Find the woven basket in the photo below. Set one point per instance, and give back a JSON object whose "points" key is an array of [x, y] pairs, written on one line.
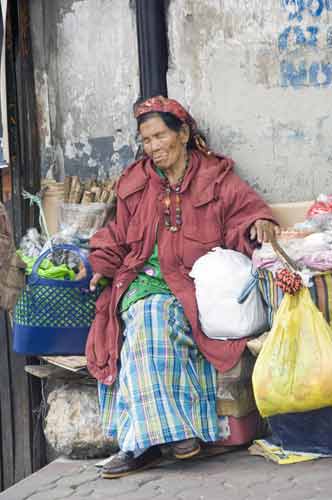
{"points": [[53, 317]]}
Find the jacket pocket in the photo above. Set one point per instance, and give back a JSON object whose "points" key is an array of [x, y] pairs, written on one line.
{"points": [[134, 241], [198, 241], [135, 233]]}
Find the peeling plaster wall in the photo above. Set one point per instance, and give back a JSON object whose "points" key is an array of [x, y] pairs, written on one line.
{"points": [[258, 78], [86, 72]]}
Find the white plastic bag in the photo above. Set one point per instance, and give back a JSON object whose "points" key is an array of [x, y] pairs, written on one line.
{"points": [[220, 277]]}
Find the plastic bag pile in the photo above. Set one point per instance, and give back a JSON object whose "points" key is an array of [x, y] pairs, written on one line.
{"points": [[309, 243]]}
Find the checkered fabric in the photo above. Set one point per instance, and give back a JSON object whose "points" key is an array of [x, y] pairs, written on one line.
{"points": [[166, 389]]}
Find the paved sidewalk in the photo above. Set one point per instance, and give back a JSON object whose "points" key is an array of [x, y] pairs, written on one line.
{"points": [[234, 476]]}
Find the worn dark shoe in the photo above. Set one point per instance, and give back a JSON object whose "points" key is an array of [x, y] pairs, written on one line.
{"points": [[186, 449], [124, 463]]}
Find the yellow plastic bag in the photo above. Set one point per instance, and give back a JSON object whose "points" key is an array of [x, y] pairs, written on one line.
{"points": [[293, 372]]}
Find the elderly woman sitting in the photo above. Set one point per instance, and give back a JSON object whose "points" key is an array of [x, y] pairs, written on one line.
{"points": [[156, 368]]}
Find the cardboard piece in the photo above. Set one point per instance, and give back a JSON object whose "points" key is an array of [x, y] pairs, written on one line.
{"points": [[235, 399], [72, 363], [263, 448], [288, 214]]}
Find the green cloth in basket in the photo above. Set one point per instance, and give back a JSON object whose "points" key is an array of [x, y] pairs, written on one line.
{"points": [[47, 269]]}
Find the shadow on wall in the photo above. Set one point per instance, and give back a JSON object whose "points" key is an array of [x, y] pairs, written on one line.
{"points": [[95, 157]]}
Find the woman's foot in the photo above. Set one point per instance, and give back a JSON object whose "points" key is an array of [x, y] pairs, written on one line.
{"points": [[186, 449], [125, 463]]}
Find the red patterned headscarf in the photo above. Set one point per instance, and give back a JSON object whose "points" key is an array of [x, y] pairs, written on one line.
{"points": [[160, 104]]}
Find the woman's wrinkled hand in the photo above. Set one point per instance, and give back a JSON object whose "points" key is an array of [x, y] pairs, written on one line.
{"points": [[94, 281], [263, 231]]}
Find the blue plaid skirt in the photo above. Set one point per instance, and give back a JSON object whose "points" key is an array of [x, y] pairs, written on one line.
{"points": [[166, 389]]}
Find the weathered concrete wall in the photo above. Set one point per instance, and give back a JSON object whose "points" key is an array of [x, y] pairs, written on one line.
{"points": [[86, 68], [258, 77]]}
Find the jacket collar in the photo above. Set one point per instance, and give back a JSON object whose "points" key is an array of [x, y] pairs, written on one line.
{"points": [[133, 179], [205, 171], [158, 181]]}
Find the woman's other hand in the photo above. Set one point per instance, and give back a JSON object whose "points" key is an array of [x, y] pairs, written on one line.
{"points": [[82, 272], [263, 231], [94, 281]]}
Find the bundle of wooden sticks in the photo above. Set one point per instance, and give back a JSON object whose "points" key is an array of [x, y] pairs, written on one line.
{"points": [[89, 191]]}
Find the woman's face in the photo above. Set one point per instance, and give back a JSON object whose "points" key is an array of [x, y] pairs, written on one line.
{"points": [[166, 147]]}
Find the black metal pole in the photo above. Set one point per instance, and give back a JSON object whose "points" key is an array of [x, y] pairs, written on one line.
{"points": [[152, 47]]}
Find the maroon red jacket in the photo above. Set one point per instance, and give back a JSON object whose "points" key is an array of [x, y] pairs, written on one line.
{"points": [[218, 208]]}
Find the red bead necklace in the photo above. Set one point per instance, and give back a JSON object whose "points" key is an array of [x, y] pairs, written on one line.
{"points": [[167, 202]]}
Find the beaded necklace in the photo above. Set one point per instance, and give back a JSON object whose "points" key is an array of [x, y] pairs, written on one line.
{"points": [[167, 203]]}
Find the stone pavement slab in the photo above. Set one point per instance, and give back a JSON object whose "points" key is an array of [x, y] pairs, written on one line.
{"points": [[233, 476]]}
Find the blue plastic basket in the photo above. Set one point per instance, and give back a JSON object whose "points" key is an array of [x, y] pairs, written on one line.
{"points": [[53, 317]]}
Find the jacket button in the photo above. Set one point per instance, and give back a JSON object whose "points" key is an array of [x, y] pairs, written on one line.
{"points": [[119, 285]]}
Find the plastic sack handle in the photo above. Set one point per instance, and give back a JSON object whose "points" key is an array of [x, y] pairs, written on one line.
{"points": [[280, 252], [250, 286], [82, 283]]}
